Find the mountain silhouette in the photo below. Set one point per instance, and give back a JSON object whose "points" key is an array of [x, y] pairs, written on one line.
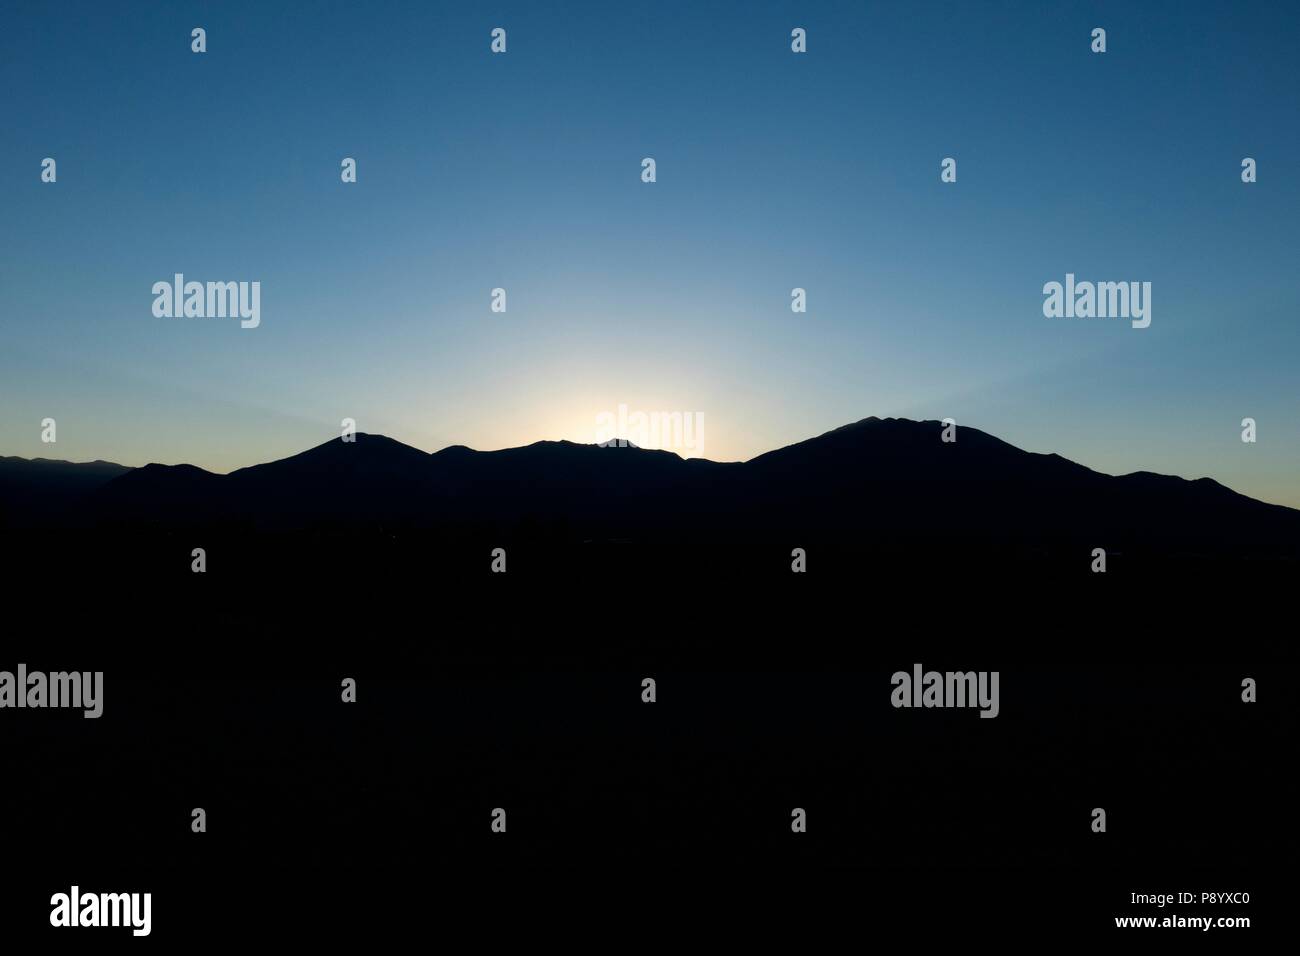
{"points": [[43, 491], [877, 483]]}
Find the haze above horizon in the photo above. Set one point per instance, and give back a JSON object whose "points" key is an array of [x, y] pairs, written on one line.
{"points": [[775, 171]]}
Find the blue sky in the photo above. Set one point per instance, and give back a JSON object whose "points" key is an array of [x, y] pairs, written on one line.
{"points": [[775, 170]]}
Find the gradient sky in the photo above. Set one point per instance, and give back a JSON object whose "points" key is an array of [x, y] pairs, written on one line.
{"points": [[775, 170]]}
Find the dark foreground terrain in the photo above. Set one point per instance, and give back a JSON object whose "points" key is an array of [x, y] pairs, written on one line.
{"points": [[522, 690]]}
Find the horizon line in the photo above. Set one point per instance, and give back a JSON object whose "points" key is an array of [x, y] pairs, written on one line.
{"points": [[565, 441]]}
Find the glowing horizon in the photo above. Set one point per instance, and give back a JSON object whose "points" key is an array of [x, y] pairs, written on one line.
{"points": [[818, 171]]}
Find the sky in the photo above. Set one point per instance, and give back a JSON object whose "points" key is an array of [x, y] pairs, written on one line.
{"points": [[774, 170]]}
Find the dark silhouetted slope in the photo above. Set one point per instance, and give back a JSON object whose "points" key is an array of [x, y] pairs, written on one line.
{"points": [[878, 485], [42, 491]]}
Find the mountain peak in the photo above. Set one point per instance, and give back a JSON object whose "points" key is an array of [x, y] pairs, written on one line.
{"points": [[882, 477], [364, 450]]}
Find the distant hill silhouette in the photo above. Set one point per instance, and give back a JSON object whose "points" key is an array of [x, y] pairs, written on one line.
{"points": [[875, 483], [42, 491]]}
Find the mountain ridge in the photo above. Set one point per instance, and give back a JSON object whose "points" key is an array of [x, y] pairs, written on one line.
{"points": [[874, 480], [368, 438]]}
